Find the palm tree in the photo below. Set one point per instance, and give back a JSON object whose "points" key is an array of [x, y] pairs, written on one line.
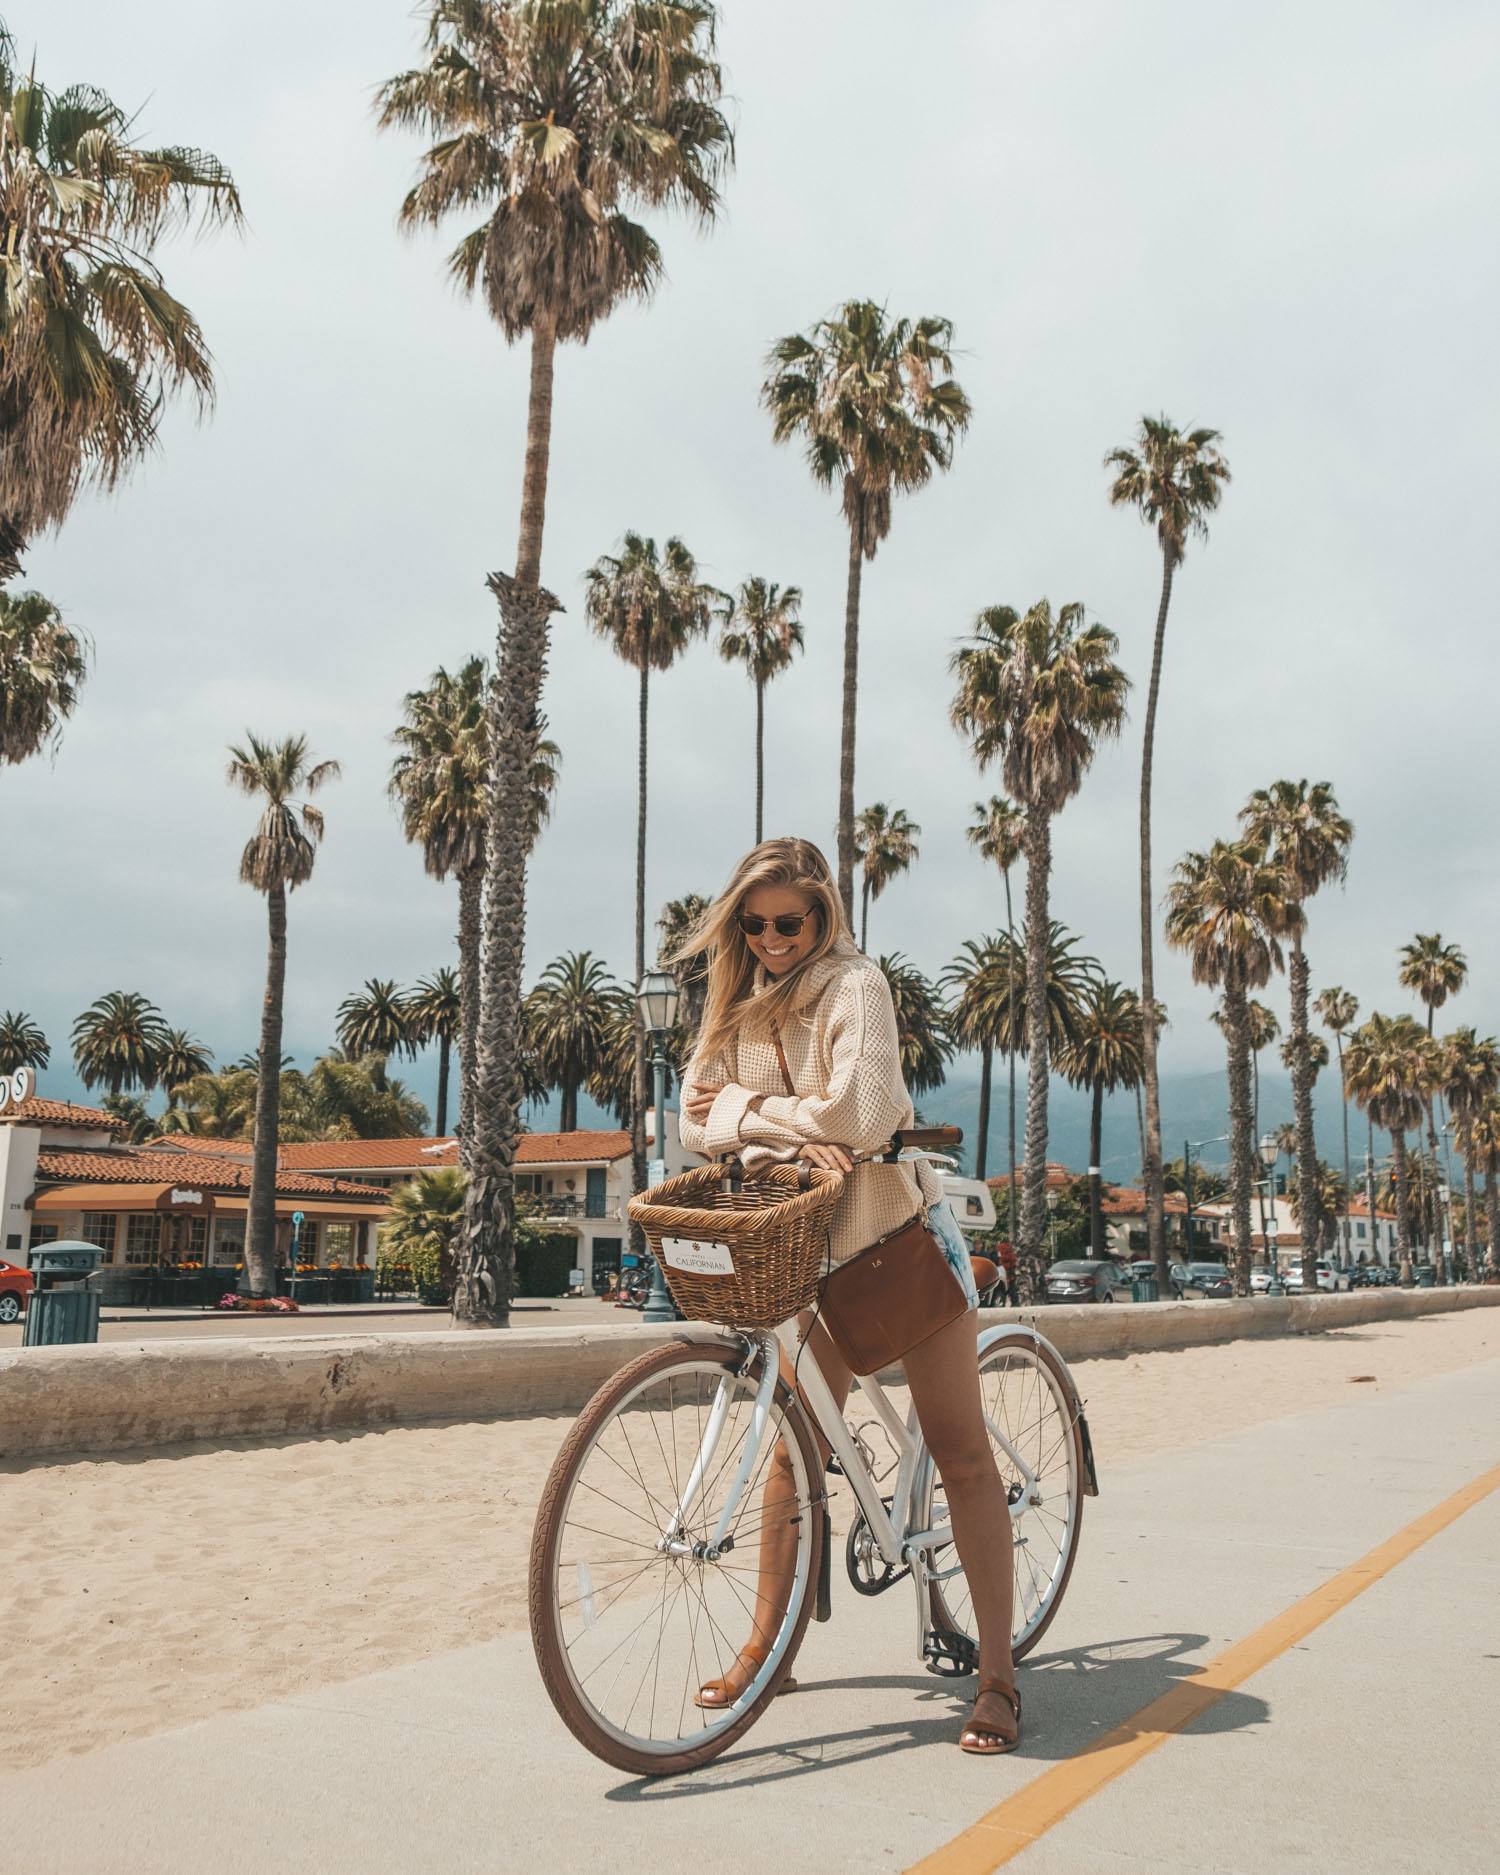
{"points": [[1470, 1076], [1318, 1059], [649, 609], [878, 410], [1301, 827], [215, 1106], [132, 1119], [567, 1018], [612, 1084], [181, 1058], [922, 1031], [43, 663], [1337, 1009], [1482, 1147], [1390, 1069], [1173, 479], [1228, 910], [277, 858], [22, 1043], [117, 1043], [759, 627], [434, 1013], [1039, 693], [426, 1215], [998, 831], [563, 117], [885, 844], [678, 916], [94, 342], [340, 1098], [1103, 1056], [376, 1023], [1436, 971]]}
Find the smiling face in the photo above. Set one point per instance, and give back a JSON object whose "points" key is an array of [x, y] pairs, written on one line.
{"points": [[777, 952]]}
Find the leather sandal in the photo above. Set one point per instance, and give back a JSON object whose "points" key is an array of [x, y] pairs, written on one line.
{"points": [[715, 1695], [986, 1733]]}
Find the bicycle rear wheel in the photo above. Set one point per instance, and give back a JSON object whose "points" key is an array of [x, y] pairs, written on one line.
{"points": [[1027, 1395], [627, 1621]]}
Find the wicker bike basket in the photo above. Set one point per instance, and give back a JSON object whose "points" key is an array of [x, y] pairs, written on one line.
{"points": [[770, 1230]]}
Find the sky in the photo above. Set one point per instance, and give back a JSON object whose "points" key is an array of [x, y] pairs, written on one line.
{"points": [[1276, 220]]}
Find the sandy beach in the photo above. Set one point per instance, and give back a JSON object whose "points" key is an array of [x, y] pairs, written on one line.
{"points": [[146, 1590]]}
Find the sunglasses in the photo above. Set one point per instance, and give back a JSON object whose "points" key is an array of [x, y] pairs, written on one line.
{"points": [[788, 926]]}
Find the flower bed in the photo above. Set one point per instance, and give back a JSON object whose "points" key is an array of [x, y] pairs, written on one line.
{"points": [[258, 1305]]}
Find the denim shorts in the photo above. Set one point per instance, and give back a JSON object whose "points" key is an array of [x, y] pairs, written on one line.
{"points": [[944, 1226]]}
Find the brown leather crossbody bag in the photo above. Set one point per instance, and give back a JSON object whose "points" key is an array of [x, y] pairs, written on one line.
{"points": [[891, 1297]]}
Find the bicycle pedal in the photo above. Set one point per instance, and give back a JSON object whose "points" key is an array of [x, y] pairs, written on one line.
{"points": [[948, 1654]]}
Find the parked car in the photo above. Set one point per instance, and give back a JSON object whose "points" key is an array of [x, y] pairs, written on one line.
{"points": [[1205, 1280], [1329, 1278], [16, 1286], [1086, 1279], [1143, 1268]]}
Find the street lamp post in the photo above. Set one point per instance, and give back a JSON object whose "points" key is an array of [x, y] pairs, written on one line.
{"points": [[1270, 1152], [657, 998]]}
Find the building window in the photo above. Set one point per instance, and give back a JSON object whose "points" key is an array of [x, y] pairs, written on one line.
{"points": [[338, 1243], [142, 1234], [229, 1242], [307, 1248], [44, 1233], [1359, 1230], [99, 1228], [197, 1240]]}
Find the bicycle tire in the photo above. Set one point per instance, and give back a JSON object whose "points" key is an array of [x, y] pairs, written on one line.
{"points": [[576, 1712]]}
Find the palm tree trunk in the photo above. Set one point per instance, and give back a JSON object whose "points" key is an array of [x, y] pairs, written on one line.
{"points": [[846, 735], [470, 977], [1010, 1005], [981, 1150], [485, 1252], [568, 1120], [1038, 930], [864, 914], [1241, 1130], [1440, 1275], [1302, 1108], [1096, 1148], [1492, 1209], [1471, 1245], [1348, 1187], [1151, 1172], [1403, 1202], [760, 759], [260, 1244], [638, 1081], [445, 1053], [538, 450]]}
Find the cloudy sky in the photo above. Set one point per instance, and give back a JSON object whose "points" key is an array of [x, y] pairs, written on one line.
{"points": [[1275, 219]]}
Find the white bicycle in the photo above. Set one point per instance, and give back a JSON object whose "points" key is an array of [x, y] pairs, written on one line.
{"points": [[644, 1570]]}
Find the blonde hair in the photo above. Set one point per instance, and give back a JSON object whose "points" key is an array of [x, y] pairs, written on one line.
{"points": [[716, 944]]}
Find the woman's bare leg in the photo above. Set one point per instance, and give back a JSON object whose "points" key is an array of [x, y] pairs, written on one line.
{"points": [[943, 1374]]}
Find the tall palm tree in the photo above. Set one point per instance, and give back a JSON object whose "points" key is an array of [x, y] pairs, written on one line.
{"points": [[878, 410], [1103, 1056], [1482, 1147], [277, 858], [649, 609], [43, 663], [1390, 1068], [434, 1013], [998, 831], [1318, 1059], [1337, 1010], [181, 1058], [1470, 1076], [1436, 971], [678, 916], [561, 121], [94, 342], [885, 844], [1302, 828], [760, 627], [612, 1083], [1038, 692], [922, 1030], [117, 1043], [343, 1098], [376, 1022], [567, 1018], [22, 1043], [1227, 910], [215, 1106], [1173, 479]]}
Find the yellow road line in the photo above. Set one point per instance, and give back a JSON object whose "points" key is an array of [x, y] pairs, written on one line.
{"points": [[1012, 1826]]}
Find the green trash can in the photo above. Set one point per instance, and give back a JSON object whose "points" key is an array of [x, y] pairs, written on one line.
{"points": [[1144, 1289], [63, 1308], [1426, 1276]]}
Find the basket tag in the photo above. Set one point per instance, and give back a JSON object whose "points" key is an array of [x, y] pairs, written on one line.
{"points": [[700, 1259]]}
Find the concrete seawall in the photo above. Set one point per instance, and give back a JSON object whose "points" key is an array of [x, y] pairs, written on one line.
{"points": [[118, 1396]]}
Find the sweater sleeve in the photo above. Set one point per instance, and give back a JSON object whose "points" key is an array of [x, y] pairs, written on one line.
{"points": [[866, 1099], [694, 1134]]}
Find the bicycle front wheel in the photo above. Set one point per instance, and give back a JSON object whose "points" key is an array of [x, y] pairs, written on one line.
{"points": [[1027, 1399], [630, 1615]]}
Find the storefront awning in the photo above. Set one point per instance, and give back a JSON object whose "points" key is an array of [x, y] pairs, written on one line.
{"points": [[313, 1207], [186, 1200]]}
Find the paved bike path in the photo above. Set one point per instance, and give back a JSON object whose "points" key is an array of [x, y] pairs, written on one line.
{"points": [[1366, 1747]]}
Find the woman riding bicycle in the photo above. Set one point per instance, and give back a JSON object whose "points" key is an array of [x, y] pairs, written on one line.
{"points": [[786, 982]]}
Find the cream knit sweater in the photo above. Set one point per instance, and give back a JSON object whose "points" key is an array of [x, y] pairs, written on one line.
{"points": [[845, 1063]]}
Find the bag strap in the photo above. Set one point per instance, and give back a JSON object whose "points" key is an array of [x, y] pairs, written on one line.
{"points": [[786, 1073]]}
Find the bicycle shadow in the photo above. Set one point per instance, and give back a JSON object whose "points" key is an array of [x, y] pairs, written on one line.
{"points": [[1060, 1720]]}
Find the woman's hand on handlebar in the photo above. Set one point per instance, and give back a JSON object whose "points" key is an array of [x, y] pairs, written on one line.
{"points": [[830, 1158]]}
